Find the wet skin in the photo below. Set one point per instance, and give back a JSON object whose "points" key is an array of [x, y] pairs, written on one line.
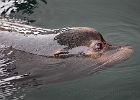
{"points": [[58, 56]]}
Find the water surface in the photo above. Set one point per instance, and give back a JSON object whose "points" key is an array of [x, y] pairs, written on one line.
{"points": [[118, 22]]}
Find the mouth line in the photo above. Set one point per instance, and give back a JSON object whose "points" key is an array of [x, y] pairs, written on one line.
{"points": [[119, 55], [128, 51]]}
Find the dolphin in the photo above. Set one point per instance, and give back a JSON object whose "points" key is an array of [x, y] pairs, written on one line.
{"points": [[35, 55]]}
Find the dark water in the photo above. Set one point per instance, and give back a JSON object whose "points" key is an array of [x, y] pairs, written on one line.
{"points": [[119, 23]]}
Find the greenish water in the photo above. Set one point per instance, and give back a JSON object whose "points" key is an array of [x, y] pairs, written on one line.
{"points": [[119, 23]]}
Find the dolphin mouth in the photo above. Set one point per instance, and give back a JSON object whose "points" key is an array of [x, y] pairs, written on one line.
{"points": [[118, 55], [128, 47], [127, 52]]}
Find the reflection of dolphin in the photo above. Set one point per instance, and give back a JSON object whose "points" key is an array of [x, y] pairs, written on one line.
{"points": [[59, 55]]}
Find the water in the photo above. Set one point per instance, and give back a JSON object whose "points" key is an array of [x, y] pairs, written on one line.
{"points": [[118, 22]]}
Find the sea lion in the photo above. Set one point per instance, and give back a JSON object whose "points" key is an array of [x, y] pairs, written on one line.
{"points": [[56, 55]]}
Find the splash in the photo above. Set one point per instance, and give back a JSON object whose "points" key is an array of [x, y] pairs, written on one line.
{"points": [[21, 26], [8, 6]]}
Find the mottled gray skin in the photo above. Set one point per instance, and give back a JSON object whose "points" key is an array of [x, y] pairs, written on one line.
{"points": [[59, 56]]}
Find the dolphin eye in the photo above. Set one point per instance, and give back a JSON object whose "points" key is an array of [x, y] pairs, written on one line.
{"points": [[97, 47]]}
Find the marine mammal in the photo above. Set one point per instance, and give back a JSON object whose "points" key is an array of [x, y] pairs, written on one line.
{"points": [[57, 55]]}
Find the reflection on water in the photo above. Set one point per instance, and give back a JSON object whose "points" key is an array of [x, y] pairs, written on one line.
{"points": [[8, 90], [119, 23]]}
